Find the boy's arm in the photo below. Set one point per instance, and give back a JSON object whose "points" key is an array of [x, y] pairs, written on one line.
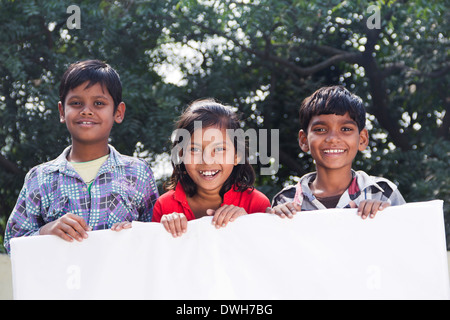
{"points": [[25, 219], [151, 194], [381, 200], [288, 209], [284, 196], [369, 208]]}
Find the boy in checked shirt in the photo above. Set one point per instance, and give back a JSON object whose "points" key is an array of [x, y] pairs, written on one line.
{"points": [[90, 186], [333, 130]]}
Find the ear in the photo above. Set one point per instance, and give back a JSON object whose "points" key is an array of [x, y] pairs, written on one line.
{"points": [[120, 113], [363, 139], [62, 117], [303, 141]]}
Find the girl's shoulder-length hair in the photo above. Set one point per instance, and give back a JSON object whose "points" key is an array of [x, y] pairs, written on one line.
{"points": [[211, 113]]}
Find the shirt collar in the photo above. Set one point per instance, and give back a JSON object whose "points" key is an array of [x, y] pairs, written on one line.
{"points": [[61, 164], [363, 180], [180, 195]]}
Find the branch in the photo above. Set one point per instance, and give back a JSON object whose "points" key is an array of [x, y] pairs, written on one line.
{"points": [[326, 49], [339, 55], [9, 166], [347, 56], [443, 71], [389, 69]]}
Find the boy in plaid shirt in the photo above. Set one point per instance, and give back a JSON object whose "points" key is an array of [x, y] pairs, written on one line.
{"points": [[333, 130], [90, 186]]}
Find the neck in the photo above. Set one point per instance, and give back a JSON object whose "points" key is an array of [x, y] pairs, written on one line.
{"points": [[331, 182], [204, 200], [83, 153], [207, 195]]}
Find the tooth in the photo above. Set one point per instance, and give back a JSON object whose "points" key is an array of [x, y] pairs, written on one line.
{"points": [[209, 172], [334, 151]]}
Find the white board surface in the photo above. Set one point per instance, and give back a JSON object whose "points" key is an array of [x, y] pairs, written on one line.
{"points": [[324, 254]]}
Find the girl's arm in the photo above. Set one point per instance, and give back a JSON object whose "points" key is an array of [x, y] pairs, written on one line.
{"points": [[175, 223], [225, 214]]}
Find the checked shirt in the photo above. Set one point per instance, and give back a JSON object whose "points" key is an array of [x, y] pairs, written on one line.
{"points": [[124, 189], [363, 187]]}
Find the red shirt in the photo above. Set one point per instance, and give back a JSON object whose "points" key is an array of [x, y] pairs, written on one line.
{"points": [[176, 201]]}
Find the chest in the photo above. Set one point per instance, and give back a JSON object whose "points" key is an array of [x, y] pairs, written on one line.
{"points": [[107, 199], [199, 206]]}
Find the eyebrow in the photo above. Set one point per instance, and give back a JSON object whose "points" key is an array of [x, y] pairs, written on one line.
{"points": [[319, 122], [214, 144], [80, 97]]}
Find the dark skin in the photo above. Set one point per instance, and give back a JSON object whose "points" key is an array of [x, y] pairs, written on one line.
{"points": [[89, 116], [333, 142], [207, 200], [202, 201], [68, 227]]}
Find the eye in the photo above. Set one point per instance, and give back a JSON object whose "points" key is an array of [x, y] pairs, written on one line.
{"points": [[75, 103], [195, 149], [99, 103], [319, 130], [347, 129]]}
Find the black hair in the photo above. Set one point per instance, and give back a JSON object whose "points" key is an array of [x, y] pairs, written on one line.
{"points": [[94, 71], [332, 100], [211, 113]]}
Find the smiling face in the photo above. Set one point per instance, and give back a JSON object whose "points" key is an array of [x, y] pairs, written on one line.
{"points": [[210, 158], [333, 140], [89, 114]]}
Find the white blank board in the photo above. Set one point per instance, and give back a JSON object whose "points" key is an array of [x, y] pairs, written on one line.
{"points": [[324, 254]]}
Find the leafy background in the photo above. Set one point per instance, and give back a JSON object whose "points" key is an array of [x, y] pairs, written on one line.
{"points": [[262, 57]]}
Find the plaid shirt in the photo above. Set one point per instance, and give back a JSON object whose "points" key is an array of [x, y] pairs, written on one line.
{"points": [[124, 189], [363, 187]]}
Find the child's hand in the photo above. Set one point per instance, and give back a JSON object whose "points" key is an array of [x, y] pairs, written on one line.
{"points": [[175, 223], [225, 214], [68, 227], [284, 210], [369, 208], [121, 225]]}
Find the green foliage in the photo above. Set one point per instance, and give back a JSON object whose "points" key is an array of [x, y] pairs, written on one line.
{"points": [[263, 57]]}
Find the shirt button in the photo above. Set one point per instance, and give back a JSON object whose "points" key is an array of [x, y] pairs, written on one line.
{"points": [[84, 189]]}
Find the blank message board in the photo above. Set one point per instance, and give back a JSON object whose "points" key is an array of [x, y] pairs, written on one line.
{"points": [[324, 254]]}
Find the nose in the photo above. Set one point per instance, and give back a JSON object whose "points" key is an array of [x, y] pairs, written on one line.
{"points": [[332, 136], [86, 110], [208, 156]]}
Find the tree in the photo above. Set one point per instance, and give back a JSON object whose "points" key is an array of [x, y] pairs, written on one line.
{"points": [[263, 57], [266, 56], [36, 48]]}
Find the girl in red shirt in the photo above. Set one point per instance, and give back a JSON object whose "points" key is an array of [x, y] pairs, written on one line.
{"points": [[211, 172]]}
